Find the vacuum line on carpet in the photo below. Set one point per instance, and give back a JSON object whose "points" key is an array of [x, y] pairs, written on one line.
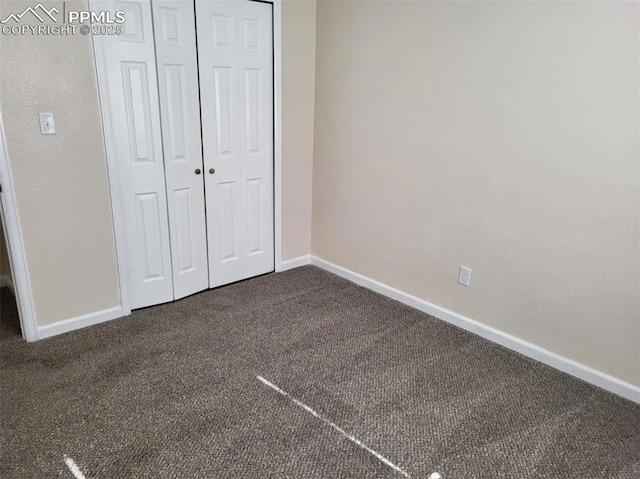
{"points": [[73, 467], [379, 456]]}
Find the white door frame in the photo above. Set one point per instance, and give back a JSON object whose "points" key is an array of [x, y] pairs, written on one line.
{"points": [[117, 201], [15, 246]]}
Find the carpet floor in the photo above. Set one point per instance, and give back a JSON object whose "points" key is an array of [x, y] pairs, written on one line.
{"points": [[172, 391]]}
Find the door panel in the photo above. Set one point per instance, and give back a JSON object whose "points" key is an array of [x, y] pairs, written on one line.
{"points": [[134, 118], [255, 59], [180, 118], [218, 63], [185, 257], [236, 81], [148, 216], [227, 223]]}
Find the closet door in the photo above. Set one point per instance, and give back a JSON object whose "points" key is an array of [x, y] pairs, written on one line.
{"points": [[131, 109], [175, 39], [255, 71], [235, 55]]}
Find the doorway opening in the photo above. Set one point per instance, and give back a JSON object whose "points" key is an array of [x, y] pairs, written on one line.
{"points": [[15, 290], [9, 318]]}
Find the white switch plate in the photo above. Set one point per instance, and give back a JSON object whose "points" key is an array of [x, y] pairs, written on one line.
{"points": [[464, 276], [47, 126]]}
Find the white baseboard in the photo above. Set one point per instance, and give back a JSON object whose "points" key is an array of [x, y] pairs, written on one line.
{"points": [[72, 324], [295, 262], [569, 366], [5, 281]]}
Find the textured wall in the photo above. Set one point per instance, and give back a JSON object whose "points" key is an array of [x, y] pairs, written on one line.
{"points": [[61, 180], [298, 78], [503, 136]]}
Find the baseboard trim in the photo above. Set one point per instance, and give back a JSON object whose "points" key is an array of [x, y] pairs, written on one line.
{"points": [[569, 366], [295, 262], [72, 324], [5, 281]]}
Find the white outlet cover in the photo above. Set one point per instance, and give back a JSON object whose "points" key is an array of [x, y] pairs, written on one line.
{"points": [[47, 125], [464, 276]]}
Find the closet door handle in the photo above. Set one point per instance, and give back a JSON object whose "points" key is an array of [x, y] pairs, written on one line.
{"points": [[212, 170], [198, 171]]}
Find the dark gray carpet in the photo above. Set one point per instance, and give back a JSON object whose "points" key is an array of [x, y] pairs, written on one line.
{"points": [[171, 391]]}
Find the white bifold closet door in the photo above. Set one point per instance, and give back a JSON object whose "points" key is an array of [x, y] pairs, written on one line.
{"points": [[190, 222], [235, 55], [133, 113], [177, 65]]}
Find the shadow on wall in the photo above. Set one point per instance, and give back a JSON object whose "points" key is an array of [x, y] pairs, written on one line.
{"points": [[5, 268]]}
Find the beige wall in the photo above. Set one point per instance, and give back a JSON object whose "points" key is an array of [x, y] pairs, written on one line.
{"points": [[61, 180], [298, 79], [502, 136]]}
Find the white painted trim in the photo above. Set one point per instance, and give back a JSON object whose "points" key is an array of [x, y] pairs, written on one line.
{"points": [[72, 324], [277, 131], [15, 245], [569, 366], [115, 192], [295, 262], [5, 281]]}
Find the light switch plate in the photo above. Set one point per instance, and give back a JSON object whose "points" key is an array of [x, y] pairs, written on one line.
{"points": [[47, 126]]}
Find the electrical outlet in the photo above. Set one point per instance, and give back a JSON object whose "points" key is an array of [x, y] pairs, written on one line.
{"points": [[464, 276], [47, 126]]}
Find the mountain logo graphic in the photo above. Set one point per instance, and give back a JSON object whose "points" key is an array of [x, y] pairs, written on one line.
{"points": [[38, 11]]}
